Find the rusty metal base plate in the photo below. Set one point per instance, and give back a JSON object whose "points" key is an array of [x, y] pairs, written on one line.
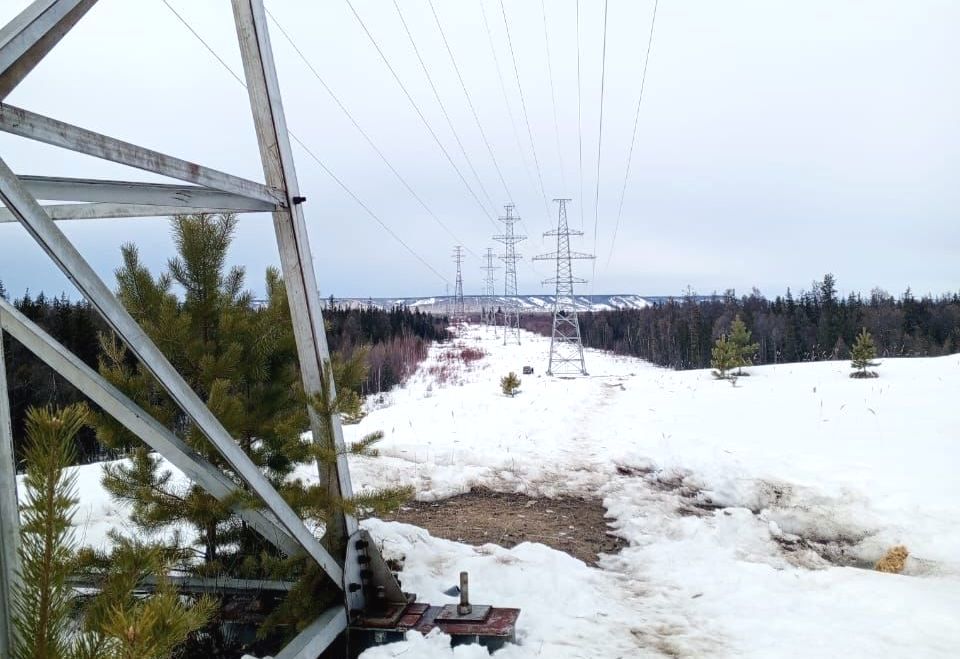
{"points": [[497, 624], [478, 613], [501, 623], [383, 619]]}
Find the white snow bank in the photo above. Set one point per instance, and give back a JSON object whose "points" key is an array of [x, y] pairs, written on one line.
{"points": [[811, 469]]}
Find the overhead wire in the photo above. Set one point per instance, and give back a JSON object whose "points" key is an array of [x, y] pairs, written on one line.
{"points": [[553, 95], [473, 109], [579, 121], [307, 150], [364, 134], [633, 140], [503, 89], [443, 107], [596, 200], [523, 105], [506, 102], [419, 112]]}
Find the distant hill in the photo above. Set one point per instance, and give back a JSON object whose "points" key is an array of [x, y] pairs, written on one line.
{"points": [[528, 303]]}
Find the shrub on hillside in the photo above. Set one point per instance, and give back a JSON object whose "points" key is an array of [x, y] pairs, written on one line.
{"points": [[510, 384], [471, 354]]}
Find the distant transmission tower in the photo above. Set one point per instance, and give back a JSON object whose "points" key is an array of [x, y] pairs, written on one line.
{"points": [[566, 349], [459, 315], [489, 290], [511, 306]]}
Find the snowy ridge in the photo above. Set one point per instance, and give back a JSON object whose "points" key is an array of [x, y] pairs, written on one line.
{"points": [[751, 511], [528, 303]]}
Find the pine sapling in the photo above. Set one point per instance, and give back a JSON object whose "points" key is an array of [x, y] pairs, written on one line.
{"points": [[510, 384], [745, 348], [116, 623], [44, 600], [863, 354], [725, 356]]}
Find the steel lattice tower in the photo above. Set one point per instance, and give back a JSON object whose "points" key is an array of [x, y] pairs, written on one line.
{"points": [[511, 306], [490, 289], [566, 349], [459, 311]]}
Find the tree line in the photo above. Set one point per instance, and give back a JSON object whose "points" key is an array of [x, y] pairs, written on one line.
{"points": [[392, 342], [815, 325]]}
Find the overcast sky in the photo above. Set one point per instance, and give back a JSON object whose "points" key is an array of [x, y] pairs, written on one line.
{"points": [[776, 141]]}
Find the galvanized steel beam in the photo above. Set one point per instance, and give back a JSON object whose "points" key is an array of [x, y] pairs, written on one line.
{"points": [[95, 387], [69, 260], [24, 123], [28, 38], [9, 518], [59, 188], [93, 211], [295, 255], [193, 585], [317, 636]]}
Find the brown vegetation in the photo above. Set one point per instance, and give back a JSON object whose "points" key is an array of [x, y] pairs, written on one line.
{"points": [[894, 560]]}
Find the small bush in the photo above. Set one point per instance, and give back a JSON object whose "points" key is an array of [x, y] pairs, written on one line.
{"points": [[471, 355], [442, 373], [894, 560], [510, 384]]}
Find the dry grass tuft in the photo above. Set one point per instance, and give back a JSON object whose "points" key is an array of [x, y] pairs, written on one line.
{"points": [[893, 561]]}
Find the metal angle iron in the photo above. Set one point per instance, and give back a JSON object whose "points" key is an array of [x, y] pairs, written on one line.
{"points": [[348, 555]]}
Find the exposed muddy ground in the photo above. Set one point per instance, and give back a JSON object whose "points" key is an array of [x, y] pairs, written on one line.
{"points": [[574, 525]]}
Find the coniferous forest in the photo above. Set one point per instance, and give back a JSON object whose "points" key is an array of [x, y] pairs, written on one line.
{"points": [[814, 325], [395, 342]]}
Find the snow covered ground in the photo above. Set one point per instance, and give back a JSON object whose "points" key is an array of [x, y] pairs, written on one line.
{"points": [[751, 511]]}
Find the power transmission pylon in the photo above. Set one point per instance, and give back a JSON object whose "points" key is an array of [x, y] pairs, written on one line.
{"points": [[459, 313], [490, 291], [365, 596], [511, 306], [566, 348]]}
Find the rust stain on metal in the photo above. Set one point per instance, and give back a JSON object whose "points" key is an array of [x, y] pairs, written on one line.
{"points": [[499, 622]]}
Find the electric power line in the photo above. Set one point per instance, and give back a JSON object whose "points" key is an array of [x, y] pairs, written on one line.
{"points": [[296, 139], [503, 88], [553, 94], [443, 108], [473, 110], [596, 200], [506, 100], [636, 118], [579, 120], [364, 206], [523, 105], [420, 114], [362, 132]]}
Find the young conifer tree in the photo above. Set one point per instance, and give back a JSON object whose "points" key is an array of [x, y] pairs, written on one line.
{"points": [[743, 346], [510, 384], [44, 600], [863, 354], [725, 356], [242, 362], [116, 624]]}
